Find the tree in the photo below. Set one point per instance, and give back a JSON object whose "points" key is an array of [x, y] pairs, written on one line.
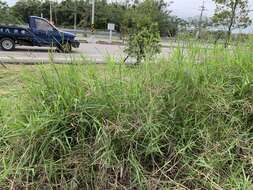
{"points": [[44, 9], [3, 10], [65, 13], [68, 12], [158, 12], [143, 43], [25, 8], [5, 14], [115, 14], [231, 14], [143, 32]]}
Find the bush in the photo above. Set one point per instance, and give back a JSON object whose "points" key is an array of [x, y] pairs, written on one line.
{"points": [[143, 43], [143, 33]]}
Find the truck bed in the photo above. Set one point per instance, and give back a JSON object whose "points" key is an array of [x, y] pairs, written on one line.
{"points": [[14, 31], [20, 35]]}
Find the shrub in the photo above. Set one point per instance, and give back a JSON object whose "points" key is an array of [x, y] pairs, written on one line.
{"points": [[142, 44]]}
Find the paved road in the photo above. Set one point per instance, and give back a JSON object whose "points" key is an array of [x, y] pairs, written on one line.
{"points": [[87, 52]]}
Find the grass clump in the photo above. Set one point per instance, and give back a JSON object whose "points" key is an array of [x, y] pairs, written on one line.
{"points": [[178, 123]]}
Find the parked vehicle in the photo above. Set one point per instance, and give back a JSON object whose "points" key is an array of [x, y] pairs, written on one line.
{"points": [[39, 33]]}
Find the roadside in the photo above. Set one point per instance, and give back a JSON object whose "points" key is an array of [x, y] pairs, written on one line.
{"points": [[87, 53], [10, 78], [166, 42]]}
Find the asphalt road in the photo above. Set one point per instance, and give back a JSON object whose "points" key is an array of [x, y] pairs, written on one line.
{"points": [[97, 53]]}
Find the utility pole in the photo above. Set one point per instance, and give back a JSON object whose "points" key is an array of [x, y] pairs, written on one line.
{"points": [[51, 14], [93, 15], [75, 14], [93, 38], [202, 10]]}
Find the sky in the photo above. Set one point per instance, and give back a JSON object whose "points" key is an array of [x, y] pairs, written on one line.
{"points": [[191, 8], [185, 8]]}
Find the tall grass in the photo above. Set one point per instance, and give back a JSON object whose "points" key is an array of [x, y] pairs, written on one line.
{"points": [[179, 123]]}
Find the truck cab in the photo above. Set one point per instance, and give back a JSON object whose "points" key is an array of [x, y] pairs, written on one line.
{"points": [[39, 33]]}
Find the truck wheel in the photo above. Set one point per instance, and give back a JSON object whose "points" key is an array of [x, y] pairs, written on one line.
{"points": [[7, 44], [66, 47]]}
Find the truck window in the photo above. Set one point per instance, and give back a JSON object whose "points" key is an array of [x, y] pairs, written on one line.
{"points": [[42, 25]]}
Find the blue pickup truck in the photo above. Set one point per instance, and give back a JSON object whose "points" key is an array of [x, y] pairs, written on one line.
{"points": [[39, 33]]}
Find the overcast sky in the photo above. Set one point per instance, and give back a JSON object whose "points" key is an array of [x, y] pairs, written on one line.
{"points": [[190, 8], [184, 8]]}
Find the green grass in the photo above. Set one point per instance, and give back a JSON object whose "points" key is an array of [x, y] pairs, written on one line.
{"points": [[10, 78], [179, 123]]}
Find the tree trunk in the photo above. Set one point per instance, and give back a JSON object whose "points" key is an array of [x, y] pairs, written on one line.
{"points": [[232, 19], [228, 38]]}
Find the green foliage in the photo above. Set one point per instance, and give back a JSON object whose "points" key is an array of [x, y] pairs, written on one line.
{"points": [[5, 14], [114, 12], [157, 11], [143, 30], [232, 14], [25, 8], [152, 11], [143, 43], [64, 11]]}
